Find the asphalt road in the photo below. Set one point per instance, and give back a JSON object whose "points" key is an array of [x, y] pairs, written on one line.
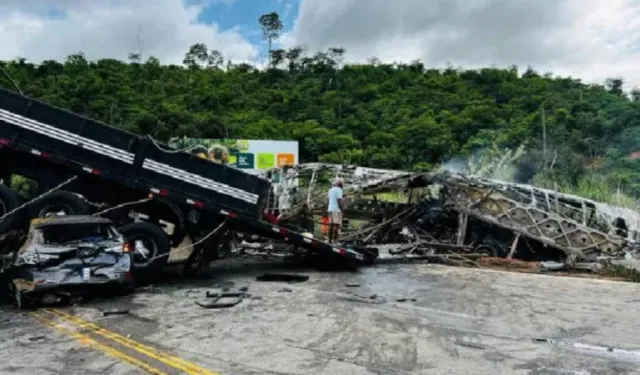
{"points": [[461, 321]]}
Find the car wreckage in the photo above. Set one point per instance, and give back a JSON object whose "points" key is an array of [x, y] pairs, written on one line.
{"points": [[441, 214], [67, 255]]}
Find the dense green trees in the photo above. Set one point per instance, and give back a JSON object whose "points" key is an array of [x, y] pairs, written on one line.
{"points": [[405, 116]]}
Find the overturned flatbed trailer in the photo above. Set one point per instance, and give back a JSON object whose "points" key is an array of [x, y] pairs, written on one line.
{"points": [[82, 166]]}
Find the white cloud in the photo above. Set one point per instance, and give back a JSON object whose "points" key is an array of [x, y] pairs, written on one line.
{"points": [[287, 10], [588, 39], [54, 29]]}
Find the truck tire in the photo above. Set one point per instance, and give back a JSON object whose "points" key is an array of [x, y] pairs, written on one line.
{"points": [[59, 201], [179, 230], [149, 260], [9, 200]]}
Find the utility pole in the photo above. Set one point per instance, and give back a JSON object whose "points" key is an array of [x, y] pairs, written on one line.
{"points": [[544, 139], [140, 42]]}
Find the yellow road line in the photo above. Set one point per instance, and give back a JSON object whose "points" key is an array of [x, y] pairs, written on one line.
{"points": [[86, 340], [168, 359]]}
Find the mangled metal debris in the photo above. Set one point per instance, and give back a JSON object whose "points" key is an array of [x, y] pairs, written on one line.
{"points": [[455, 218], [281, 277], [222, 300]]}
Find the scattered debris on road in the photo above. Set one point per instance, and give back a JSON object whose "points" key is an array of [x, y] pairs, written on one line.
{"points": [[282, 277], [221, 300], [218, 295], [115, 312], [372, 299], [406, 300]]}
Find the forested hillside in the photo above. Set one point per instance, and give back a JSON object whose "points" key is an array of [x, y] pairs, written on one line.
{"points": [[403, 116]]}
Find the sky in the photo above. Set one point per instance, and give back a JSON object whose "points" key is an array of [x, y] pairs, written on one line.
{"points": [[587, 39]]}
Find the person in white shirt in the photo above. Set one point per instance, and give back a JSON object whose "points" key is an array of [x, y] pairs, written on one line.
{"points": [[334, 210]]}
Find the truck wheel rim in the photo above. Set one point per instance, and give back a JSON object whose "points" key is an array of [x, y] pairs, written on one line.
{"points": [[486, 249], [144, 250]]}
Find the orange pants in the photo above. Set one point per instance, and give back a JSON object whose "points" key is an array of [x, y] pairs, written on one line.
{"points": [[325, 225]]}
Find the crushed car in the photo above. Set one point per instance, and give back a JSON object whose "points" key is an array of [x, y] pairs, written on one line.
{"points": [[65, 257]]}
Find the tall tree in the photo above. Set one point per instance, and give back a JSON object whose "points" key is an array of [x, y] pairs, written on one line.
{"points": [[336, 54], [271, 29], [277, 57], [215, 59], [293, 55], [197, 56], [635, 94], [614, 85]]}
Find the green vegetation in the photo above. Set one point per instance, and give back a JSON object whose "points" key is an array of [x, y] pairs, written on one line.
{"points": [[561, 133]]}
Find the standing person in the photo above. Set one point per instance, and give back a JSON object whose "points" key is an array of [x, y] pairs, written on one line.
{"points": [[335, 196]]}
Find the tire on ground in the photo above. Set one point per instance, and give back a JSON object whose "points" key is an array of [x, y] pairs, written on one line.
{"points": [[151, 234], [9, 200], [59, 200]]}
